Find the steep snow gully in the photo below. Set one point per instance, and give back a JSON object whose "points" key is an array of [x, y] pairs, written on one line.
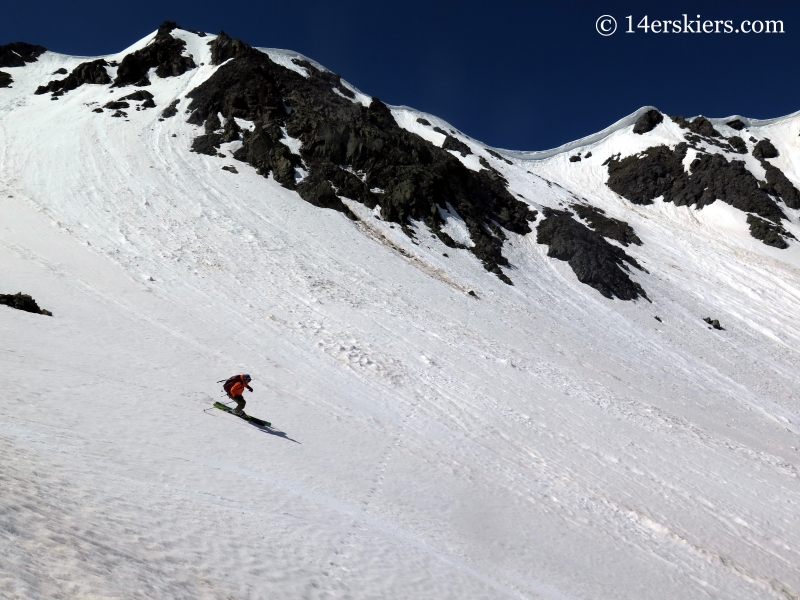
{"points": [[488, 372]]}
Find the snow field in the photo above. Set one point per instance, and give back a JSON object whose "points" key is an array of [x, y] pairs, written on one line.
{"points": [[539, 441]]}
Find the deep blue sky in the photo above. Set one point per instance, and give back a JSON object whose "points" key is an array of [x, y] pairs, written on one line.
{"points": [[514, 74]]}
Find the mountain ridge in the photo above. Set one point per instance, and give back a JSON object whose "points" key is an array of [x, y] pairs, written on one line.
{"points": [[328, 154]]}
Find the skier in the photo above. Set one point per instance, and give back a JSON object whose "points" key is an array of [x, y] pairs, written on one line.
{"points": [[234, 387]]}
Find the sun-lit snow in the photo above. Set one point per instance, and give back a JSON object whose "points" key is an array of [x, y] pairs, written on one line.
{"points": [[534, 441]]}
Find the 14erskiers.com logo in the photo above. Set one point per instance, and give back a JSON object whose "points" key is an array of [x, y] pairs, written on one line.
{"points": [[607, 25]]}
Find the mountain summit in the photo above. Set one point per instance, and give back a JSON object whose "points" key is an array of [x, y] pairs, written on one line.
{"points": [[489, 373]]}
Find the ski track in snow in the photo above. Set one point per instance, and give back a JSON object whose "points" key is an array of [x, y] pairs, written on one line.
{"points": [[539, 441]]}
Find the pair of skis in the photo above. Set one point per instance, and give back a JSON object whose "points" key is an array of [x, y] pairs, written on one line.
{"points": [[246, 417]]}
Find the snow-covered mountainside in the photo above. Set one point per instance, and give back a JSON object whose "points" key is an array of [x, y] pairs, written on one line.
{"points": [[489, 373]]}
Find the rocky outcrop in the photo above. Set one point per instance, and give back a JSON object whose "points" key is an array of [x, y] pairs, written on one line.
{"points": [[772, 234], [5, 80], [93, 72], [764, 149], [659, 171], [703, 126], [594, 261], [736, 124], [737, 144], [702, 135], [207, 144], [777, 183], [232, 131], [606, 226], [24, 302], [212, 123], [648, 121], [348, 149], [171, 110], [164, 54], [18, 54], [452, 143], [698, 125], [138, 96]]}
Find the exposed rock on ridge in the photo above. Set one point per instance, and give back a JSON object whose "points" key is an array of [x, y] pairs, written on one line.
{"points": [[88, 72], [659, 171], [698, 125], [764, 149], [18, 54], [349, 149], [647, 122], [164, 54], [777, 182]]}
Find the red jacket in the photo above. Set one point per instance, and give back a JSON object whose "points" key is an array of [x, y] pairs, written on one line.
{"points": [[236, 385]]}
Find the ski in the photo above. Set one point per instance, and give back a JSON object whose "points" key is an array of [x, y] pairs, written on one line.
{"points": [[246, 417]]}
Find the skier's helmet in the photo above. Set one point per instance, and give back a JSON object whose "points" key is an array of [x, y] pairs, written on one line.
{"points": [[246, 377]]}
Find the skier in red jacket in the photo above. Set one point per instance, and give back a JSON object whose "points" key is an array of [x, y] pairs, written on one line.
{"points": [[234, 387]]}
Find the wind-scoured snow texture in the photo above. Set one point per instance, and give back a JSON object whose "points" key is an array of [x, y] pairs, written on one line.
{"points": [[534, 442], [349, 149]]}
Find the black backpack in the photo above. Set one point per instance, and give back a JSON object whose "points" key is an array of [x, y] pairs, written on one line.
{"points": [[229, 383]]}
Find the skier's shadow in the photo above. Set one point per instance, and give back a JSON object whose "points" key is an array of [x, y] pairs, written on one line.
{"points": [[273, 431], [269, 430]]}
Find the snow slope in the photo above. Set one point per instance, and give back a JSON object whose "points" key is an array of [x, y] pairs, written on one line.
{"points": [[535, 441]]}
